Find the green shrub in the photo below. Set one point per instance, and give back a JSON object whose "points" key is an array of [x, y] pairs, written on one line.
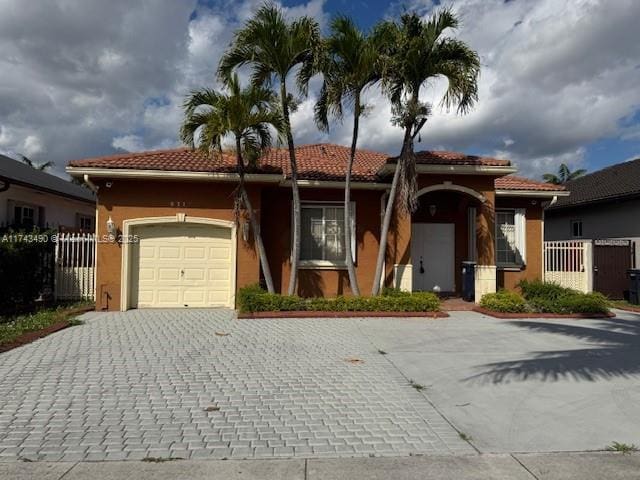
{"points": [[504, 301], [547, 290], [255, 299]]}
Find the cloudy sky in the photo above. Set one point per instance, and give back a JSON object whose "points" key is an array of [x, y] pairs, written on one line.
{"points": [[560, 79]]}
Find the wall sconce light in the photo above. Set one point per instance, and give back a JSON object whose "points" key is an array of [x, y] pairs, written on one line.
{"points": [[111, 229], [432, 210]]}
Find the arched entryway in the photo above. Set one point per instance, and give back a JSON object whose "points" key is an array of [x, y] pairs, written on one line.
{"points": [[444, 233]]}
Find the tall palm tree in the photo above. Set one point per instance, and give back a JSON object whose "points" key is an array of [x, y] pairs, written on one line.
{"points": [[246, 115], [274, 47], [415, 51], [350, 67], [40, 166], [564, 175]]}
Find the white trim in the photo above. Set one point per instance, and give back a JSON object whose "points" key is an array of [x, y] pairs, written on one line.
{"points": [[127, 226], [330, 264], [532, 193], [452, 186], [458, 169], [336, 184], [170, 174], [321, 265]]}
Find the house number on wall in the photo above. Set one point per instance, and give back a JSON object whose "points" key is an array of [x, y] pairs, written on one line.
{"points": [[178, 204]]}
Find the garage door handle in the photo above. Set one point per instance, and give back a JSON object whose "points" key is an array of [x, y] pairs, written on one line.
{"points": [[182, 272]]}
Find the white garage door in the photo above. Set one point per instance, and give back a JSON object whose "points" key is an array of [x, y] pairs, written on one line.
{"points": [[184, 265]]}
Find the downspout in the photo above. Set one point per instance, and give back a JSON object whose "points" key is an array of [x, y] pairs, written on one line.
{"points": [[92, 186]]}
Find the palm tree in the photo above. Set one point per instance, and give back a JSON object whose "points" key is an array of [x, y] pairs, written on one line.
{"points": [[42, 166], [564, 175], [274, 47], [350, 67], [246, 115], [415, 51]]}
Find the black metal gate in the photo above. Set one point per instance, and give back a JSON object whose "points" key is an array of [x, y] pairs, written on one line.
{"points": [[611, 260]]}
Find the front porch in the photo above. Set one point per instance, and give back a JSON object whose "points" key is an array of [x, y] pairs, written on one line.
{"points": [[453, 224]]}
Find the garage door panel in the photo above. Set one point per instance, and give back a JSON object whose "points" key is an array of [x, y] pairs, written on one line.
{"points": [[182, 265]]}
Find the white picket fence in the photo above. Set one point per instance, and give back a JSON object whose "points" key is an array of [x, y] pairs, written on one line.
{"points": [[75, 255], [569, 263]]}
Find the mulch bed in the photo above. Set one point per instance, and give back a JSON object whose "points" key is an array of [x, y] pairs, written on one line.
{"points": [[37, 334], [503, 315], [306, 314]]}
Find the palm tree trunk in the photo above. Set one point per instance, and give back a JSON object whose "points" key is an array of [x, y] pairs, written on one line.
{"points": [[348, 234], [295, 193], [255, 225], [387, 215]]}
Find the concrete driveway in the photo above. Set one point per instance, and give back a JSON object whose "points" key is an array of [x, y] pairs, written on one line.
{"points": [[525, 386], [200, 384]]}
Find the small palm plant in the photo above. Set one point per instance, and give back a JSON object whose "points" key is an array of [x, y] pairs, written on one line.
{"points": [[274, 47], [247, 116], [351, 66], [413, 52], [36, 166], [564, 175]]}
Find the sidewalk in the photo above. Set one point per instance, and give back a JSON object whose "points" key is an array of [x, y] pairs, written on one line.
{"points": [[556, 466]]}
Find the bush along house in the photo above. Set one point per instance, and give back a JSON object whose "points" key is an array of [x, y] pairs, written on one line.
{"points": [[171, 238]]}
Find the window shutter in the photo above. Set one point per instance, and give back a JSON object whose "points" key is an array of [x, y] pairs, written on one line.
{"points": [[521, 235]]}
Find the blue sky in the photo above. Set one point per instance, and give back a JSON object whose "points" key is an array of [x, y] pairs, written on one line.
{"points": [[560, 79]]}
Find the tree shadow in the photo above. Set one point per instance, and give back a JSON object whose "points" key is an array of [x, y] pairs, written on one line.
{"points": [[613, 351]]}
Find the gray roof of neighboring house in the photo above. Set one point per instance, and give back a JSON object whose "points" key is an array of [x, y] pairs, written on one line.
{"points": [[22, 174], [612, 183]]}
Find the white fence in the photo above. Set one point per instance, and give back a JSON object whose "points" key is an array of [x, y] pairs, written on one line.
{"points": [[75, 266], [569, 263]]}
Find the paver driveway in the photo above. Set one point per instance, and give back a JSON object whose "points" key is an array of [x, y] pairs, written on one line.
{"points": [[200, 384]]}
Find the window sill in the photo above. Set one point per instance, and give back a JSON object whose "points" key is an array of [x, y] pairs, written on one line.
{"points": [[321, 265], [512, 268]]}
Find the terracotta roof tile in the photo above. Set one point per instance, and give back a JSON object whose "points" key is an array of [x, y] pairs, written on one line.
{"points": [[443, 157], [315, 162], [511, 182]]}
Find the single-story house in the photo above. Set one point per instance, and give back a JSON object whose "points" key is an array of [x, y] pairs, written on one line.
{"points": [[179, 246], [33, 198], [603, 205]]}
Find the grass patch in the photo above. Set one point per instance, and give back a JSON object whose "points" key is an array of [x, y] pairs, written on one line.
{"points": [[465, 437], [11, 328], [622, 448], [418, 386], [253, 299], [623, 304], [382, 352]]}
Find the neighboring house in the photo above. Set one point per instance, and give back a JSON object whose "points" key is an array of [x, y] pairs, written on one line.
{"points": [[602, 205], [178, 244], [30, 197]]}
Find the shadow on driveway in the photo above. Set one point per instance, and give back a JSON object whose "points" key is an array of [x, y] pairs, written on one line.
{"points": [[614, 352]]}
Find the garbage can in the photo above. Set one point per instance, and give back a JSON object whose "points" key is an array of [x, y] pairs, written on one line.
{"points": [[469, 281], [634, 287]]}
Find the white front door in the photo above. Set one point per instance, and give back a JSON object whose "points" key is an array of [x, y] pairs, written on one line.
{"points": [[433, 256]]}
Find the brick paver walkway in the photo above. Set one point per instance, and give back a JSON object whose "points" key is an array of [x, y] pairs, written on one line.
{"points": [[200, 384]]}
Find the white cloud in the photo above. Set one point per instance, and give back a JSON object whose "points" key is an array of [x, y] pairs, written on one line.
{"points": [[83, 78]]}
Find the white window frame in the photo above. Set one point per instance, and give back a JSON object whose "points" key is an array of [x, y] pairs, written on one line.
{"points": [[328, 264], [22, 205], [520, 225], [81, 217]]}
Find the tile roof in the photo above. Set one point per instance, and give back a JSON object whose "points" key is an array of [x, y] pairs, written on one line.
{"points": [[512, 182], [621, 180], [325, 162], [443, 157]]}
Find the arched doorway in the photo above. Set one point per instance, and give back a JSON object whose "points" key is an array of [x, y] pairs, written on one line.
{"points": [[444, 233]]}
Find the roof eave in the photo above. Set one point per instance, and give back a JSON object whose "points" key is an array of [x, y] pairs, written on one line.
{"points": [[96, 172], [501, 192], [498, 170]]}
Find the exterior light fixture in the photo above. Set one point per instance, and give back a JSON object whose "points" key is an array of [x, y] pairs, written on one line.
{"points": [[432, 210], [111, 229], [245, 230]]}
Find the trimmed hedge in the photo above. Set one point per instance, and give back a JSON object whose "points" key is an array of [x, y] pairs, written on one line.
{"points": [[254, 299], [504, 301], [540, 297]]}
